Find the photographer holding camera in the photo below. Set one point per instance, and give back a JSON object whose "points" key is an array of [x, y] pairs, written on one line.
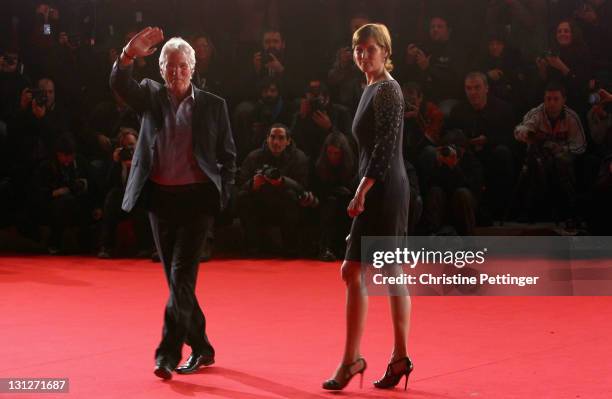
{"points": [[113, 214], [554, 137], [66, 194], [488, 123], [600, 123], [452, 190], [437, 64], [318, 118], [568, 61], [12, 83], [271, 190], [269, 61], [40, 120], [252, 121]]}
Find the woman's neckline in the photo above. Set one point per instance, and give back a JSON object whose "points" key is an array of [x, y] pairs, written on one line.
{"points": [[380, 81]]}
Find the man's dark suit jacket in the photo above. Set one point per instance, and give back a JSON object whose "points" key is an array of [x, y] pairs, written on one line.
{"points": [[213, 143]]}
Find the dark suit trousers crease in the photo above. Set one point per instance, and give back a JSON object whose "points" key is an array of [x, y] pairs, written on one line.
{"points": [[179, 219]]}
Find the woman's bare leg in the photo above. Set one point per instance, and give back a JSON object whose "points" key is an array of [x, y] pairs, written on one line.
{"points": [[400, 314]]}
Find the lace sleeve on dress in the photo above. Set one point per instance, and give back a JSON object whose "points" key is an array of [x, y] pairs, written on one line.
{"points": [[388, 114]]}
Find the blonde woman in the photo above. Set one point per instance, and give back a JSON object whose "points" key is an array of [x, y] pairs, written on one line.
{"points": [[380, 204]]}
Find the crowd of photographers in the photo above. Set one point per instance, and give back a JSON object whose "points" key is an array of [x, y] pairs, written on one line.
{"points": [[510, 120]]}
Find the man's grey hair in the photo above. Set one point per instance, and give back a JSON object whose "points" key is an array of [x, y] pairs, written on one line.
{"points": [[176, 44], [478, 75]]}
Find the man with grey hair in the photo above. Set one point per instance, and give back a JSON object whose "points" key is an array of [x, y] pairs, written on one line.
{"points": [[182, 171]]}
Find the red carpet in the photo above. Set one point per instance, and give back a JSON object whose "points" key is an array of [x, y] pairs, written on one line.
{"points": [[278, 330]]}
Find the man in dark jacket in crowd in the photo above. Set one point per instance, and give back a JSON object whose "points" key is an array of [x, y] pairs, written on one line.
{"points": [[488, 124], [271, 189], [317, 118]]}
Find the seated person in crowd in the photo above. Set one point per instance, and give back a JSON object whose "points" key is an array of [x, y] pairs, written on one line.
{"points": [[271, 61], [423, 122], [488, 123], [344, 78], [270, 190], [593, 17], [333, 183], [66, 195], [39, 123], [208, 74], [115, 188], [105, 123], [600, 123], [251, 124], [317, 118], [452, 191], [504, 69], [436, 65], [568, 62], [554, 137], [12, 83]]}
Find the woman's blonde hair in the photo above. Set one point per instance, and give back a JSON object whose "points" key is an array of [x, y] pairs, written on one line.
{"points": [[381, 36]]}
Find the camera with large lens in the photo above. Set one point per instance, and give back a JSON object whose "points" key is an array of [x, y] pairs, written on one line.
{"points": [[266, 56], [269, 172], [446, 150], [78, 186], [126, 153], [39, 96], [551, 52], [316, 104]]}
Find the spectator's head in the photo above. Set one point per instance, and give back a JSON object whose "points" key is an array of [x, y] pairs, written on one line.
{"points": [[567, 34], [204, 49], [48, 86], [336, 154], [554, 99], [10, 61], [279, 137], [476, 89], [127, 137], [272, 40], [439, 29], [176, 64], [356, 21], [317, 90], [336, 159], [496, 44], [372, 48], [413, 95], [65, 149], [126, 140], [269, 90]]}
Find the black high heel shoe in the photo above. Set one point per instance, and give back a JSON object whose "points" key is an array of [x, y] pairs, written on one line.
{"points": [[395, 371], [347, 374]]}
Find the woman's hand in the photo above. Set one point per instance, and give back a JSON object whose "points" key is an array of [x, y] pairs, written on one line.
{"points": [[555, 62], [357, 205]]}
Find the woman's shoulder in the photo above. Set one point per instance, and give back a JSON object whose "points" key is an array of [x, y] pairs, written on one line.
{"points": [[388, 90]]}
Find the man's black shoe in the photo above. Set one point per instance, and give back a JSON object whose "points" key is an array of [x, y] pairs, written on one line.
{"points": [[163, 370], [194, 363]]}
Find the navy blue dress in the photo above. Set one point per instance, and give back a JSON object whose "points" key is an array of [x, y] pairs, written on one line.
{"points": [[378, 127]]}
